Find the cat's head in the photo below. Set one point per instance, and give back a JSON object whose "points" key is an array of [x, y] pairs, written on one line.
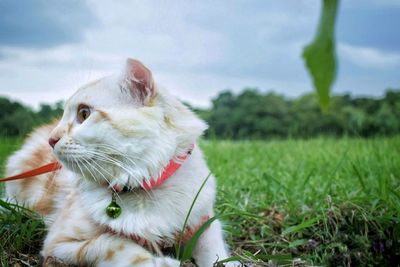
{"points": [[121, 130]]}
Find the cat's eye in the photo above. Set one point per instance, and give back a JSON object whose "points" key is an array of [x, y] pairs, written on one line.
{"points": [[83, 113]]}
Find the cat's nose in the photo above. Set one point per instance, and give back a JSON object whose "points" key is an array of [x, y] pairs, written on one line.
{"points": [[53, 141]]}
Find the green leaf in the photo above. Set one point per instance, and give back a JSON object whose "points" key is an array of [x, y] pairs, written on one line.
{"points": [[320, 54], [360, 178], [187, 253], [301, 226], [298, 242], [279, 258], [178, 247]]}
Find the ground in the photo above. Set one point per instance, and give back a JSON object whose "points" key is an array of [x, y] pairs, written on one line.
{"points": [[324, 201]]}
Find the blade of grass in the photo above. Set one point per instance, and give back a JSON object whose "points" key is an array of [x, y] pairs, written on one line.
{"points": [[187, 253], [178, 248], [241, 212], [281, 258], [359, 177], [301, 226], [298, 242]]}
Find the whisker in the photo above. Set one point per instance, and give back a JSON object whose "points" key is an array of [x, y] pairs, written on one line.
{"points": [[78, 165], [118, 152], [106, 158], [112, 188], [88, 169]]}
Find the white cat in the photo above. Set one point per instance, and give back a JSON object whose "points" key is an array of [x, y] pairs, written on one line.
{"points": [[119, 134]]}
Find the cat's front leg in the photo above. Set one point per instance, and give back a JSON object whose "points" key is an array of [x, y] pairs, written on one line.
{"points": [[74, 239], [134, 255], [103, 251], [211, 247]]}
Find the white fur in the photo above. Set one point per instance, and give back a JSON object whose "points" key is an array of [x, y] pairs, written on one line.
{"points": [[146, 138]]}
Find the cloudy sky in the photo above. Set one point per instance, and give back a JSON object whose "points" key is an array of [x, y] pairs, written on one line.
{"points": [[194, 48]]}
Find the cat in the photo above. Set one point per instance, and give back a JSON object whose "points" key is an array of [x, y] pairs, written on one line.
{"points": [[116, 135]]}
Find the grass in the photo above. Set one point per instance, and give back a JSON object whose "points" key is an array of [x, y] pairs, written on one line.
{"points": [[331, 202], [21, 231], [328, 201]]}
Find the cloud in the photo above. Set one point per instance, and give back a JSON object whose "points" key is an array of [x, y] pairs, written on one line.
{"points": [[248, 39], [195, 49], [369, 23], [60, 57], [368, 57], [42, 23], [372, 3]]}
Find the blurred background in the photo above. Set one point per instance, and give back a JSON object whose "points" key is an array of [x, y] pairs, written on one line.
{"points": [[237, 63], [312, 199]]}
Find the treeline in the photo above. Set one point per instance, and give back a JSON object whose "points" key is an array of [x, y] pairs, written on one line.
{"points": [[18, 120], [255, 115]]}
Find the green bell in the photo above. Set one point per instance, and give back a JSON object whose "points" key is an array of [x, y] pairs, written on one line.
{"points": [[113, 210]]}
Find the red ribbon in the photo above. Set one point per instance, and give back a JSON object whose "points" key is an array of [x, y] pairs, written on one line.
{"points": [[28, 174]]}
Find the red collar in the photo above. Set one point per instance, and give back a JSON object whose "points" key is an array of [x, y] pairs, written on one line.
{"points": [[169, 170]]}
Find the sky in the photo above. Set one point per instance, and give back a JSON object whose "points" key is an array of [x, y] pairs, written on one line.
{"points": [[195, 49]]}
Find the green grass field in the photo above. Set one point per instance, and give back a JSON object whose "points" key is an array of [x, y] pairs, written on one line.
{"points": [[330, 202]]}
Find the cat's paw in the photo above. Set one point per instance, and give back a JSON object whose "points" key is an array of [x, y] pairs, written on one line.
{"points": [[142, 261], [159, 262], [233, 264], [53, 262]]}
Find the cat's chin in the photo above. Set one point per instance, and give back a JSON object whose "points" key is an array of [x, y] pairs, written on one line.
{"points": [[77, 168], [89, 174]]}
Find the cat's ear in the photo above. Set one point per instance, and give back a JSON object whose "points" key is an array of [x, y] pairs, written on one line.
{"points": [[139, 81]]}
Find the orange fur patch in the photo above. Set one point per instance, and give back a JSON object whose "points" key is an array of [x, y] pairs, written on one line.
{"points": [[82, 251], [121, 247], [69, 239], [39, 157], [168, 121], [140, 258], [109, 255], [104, 115], [69, 128], [46, 204]]}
